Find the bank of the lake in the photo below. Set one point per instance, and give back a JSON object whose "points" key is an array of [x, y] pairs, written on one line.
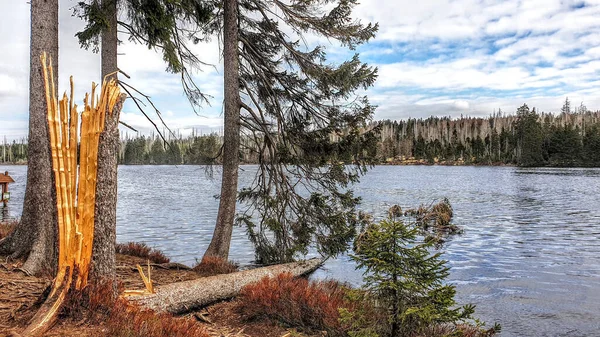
{"points": [[528, 258]]}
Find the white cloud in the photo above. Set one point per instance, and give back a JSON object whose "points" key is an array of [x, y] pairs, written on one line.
{"points": [[183, 125], [440, 57]]}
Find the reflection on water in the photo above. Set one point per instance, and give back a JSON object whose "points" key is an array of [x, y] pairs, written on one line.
{"points": [[5, 213], [17, 189], [559, 171], [529, 258]]}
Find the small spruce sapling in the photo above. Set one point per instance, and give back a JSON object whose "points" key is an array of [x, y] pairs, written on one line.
{"points": [[406, 278]]}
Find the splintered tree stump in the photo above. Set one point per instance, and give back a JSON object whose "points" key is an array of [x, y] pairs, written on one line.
{"points": [[182, 297], [75, 187]]}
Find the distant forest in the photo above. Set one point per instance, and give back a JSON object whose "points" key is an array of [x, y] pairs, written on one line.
{"points": [[527, 138]]}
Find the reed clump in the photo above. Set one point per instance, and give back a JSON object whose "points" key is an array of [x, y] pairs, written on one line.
{"points": [[435, 220], [462, 330]]}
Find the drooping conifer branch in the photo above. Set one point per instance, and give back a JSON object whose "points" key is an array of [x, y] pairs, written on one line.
{"points": [[304, 122]]}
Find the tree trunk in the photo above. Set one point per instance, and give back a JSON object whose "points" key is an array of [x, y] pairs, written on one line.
{"points": [[219, 245], [36, 234], [105, 224], [181, 297]]}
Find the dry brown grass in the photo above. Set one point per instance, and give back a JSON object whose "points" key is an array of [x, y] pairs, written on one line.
{"points": [[142, 250], [210, 266], [295, 302], [97, 305], [7, 227], [127, 320]]}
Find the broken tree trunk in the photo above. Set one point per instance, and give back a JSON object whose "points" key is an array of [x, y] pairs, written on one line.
{"points": [[181, 297], [75, 197]]}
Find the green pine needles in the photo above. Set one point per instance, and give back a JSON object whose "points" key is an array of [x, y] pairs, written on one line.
{"points": [[406, 281], [305, 120]]}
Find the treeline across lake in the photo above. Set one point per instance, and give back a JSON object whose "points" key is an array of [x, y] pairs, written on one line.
{"points": [[527, 138], [192, 150], [14, 152]]}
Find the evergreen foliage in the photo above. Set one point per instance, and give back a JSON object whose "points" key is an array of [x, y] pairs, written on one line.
{"points": [[163, 25], [194, 150], [203, 150], [568, 140], [406, 279], [527, 138], [15, 152], [591, 145], [301, 120]]}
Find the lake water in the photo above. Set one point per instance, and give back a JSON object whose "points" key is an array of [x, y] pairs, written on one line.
{"points": [[529, 258]]}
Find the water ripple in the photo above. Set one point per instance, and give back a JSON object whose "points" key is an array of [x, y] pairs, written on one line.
{"points": [[529, 258]]}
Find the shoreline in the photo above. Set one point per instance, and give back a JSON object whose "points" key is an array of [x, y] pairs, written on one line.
{"points": [[406, 162]]}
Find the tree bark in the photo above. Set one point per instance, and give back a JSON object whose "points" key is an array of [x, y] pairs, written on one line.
{"points": [[105, 223], [219, 245], [181, 297], [36, 234]]}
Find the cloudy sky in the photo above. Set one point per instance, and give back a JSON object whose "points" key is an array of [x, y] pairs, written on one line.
{"points": [[435, 57]]}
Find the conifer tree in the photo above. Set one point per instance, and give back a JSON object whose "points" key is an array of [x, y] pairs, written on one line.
{"points": [[406, 278], [157, 153], [166, 26], [158, 24], [566, 108], [529, 137], [303, 120], [35, 236]]}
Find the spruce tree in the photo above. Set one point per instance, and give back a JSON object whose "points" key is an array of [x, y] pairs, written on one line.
{"points": [[591, 146], [566, 108], [166, 26], [158, 24], [407, 280], [303, 121], [528, 131]]}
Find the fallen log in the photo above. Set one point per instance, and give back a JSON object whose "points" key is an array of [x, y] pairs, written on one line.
{"points": [[182, 297], [166, 266]]}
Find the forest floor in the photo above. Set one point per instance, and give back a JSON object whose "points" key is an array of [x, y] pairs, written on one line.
{"points": [[21, 296]]}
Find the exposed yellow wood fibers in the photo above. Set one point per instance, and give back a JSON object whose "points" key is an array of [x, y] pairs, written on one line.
{"points": [[75, 189]]}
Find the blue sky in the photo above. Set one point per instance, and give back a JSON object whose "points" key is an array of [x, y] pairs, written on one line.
{"points": [[435, 57]]}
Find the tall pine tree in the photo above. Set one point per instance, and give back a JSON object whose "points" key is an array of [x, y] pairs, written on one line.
{"points": [[158, 24], [528, 131], [304, 121], [35, 237]]}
